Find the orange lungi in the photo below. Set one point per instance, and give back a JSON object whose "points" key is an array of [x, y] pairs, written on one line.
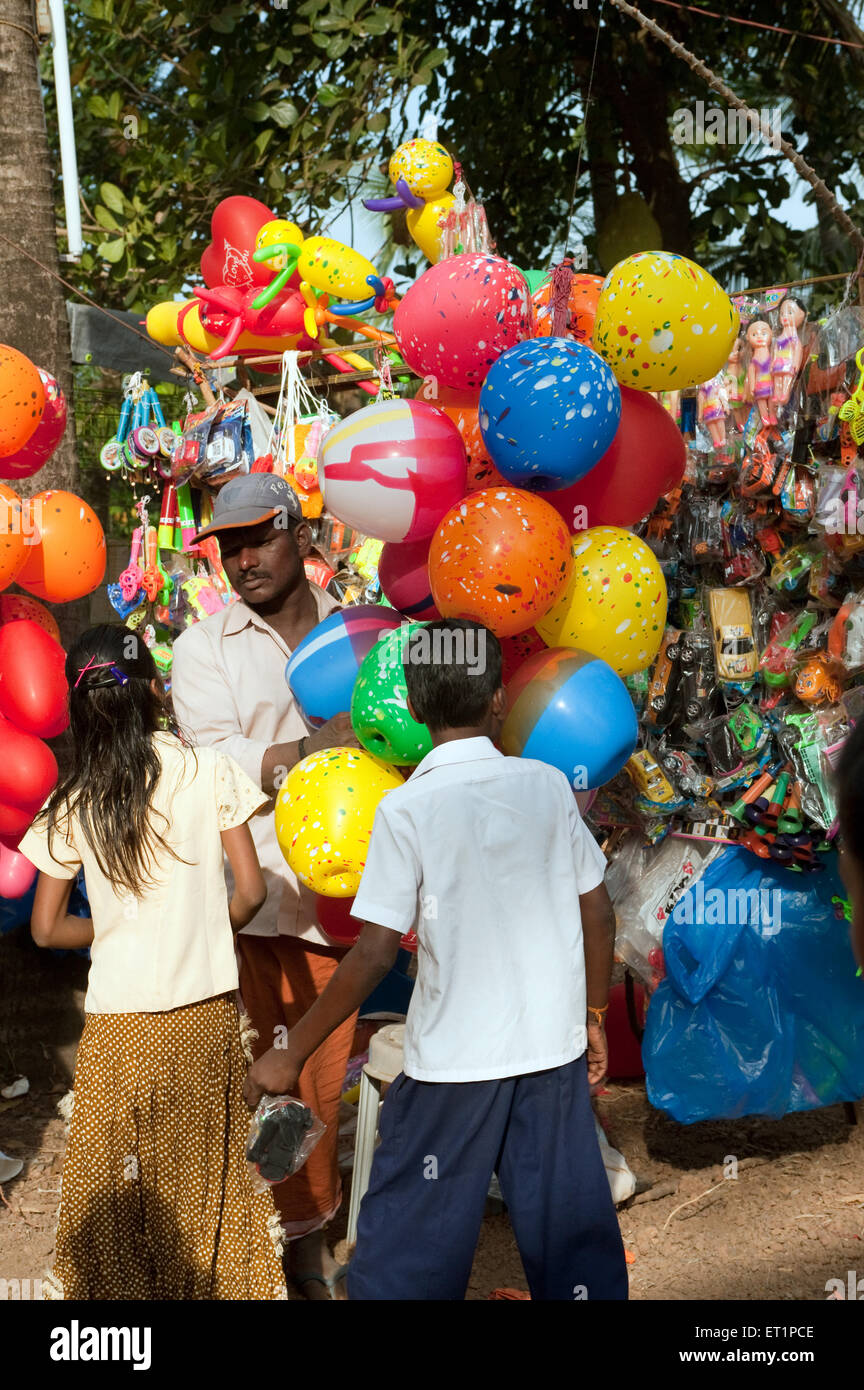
{"points": [[280, 979]]}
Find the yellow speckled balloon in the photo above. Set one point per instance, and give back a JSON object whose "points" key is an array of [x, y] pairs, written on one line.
{"points": [[425, 166], [614, 605], [663, 322], [324, 815]]}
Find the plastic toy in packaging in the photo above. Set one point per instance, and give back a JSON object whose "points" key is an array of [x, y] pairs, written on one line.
{"points": [[731, 618], [282, 1134], [787, 635]]}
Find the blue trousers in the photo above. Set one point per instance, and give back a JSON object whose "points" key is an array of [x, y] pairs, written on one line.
{"points": [[440, 1144]]}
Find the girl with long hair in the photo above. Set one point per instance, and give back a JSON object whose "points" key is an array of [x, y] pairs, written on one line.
{"points": [[157, 1202]]}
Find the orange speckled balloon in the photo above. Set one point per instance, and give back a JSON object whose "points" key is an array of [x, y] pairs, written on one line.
{"points": [[20, 607], [22, 399], [462, 407], [69, 560], [13, 548], [501, 558], [581, 308]]}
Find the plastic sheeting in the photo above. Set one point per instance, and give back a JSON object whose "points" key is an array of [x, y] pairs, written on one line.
{"points": [[760, 1012]]}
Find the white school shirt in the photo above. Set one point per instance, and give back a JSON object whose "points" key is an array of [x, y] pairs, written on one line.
{"points": [[229, 692], [485, 858], [173, 945]]}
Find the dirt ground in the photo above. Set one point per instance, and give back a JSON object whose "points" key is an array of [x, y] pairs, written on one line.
{"points": [[792, 1219]]}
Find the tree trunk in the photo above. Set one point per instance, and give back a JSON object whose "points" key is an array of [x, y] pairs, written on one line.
{"points": [[34, 303], [642, 112]]}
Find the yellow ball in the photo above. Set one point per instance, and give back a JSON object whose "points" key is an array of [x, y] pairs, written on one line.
{"points": [[425, 166], [614, 605], [324, 815], [663, 322]]}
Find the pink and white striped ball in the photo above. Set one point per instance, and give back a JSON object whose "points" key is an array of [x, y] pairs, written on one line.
{"points": [[392, 470]]}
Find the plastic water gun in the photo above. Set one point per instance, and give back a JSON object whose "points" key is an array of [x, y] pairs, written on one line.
{"points": [[777, 659]]}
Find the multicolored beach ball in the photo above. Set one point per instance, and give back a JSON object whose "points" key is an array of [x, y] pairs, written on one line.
{"points": [[323, 668], [569, 709]]}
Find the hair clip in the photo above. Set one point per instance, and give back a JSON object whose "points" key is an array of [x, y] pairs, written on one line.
{"points": [[119, 675]]}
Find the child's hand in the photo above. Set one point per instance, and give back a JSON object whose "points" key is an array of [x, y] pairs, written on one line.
{"points": [[274, 1074], [598, 1053]]}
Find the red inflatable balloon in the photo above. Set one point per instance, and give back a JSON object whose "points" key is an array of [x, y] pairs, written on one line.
{"points": [[33, 686], [403, 572], [458, 318], [14, 824], [645, 460], [16, 873], [227, 260], [516, 650], [45, 438], [16, 606], [28, 772], [335, 920]]}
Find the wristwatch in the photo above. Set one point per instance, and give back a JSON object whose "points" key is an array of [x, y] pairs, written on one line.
{"points": [[301, 749]]}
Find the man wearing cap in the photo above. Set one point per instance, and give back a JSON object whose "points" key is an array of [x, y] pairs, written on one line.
{"points": [[229, 692]]}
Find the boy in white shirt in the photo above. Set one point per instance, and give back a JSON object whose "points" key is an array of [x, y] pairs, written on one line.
{"points": [[488, 860]]}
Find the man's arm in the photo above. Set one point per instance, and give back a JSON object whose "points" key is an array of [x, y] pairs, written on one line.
{"points": [[206, 711], [598, 938], [281, 757], [276, 1072]]}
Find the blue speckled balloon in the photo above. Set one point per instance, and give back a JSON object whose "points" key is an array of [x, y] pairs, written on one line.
{"points": [[549, 409]]}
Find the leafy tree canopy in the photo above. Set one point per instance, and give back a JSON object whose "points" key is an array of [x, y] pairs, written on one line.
{"points": [[181, 104]]}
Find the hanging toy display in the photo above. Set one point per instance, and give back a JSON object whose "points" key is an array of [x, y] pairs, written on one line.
{"points": [[142, 447]]}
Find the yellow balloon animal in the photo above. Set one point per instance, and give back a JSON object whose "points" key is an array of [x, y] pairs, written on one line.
{"points": [[663, 323], [420, 170], [614, 605], [324, 815]]}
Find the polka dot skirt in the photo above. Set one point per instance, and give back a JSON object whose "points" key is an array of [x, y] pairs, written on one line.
{"points": [[157, 1202]]}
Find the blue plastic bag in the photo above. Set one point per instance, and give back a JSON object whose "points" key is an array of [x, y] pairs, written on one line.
{"points": [[760, 1012]]}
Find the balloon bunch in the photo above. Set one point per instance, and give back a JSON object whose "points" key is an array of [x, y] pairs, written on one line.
{"points": [[270, 289], [503, 493], [53, 546]]}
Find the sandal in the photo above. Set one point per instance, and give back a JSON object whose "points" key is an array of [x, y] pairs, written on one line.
{"points": [[328, 1280]]}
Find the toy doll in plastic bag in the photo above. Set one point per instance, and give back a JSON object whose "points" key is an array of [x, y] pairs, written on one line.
{"points": [[282, 1134]]}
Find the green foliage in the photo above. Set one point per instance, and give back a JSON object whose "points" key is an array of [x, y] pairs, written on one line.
{"points": [[299, 102], [180, 104]]}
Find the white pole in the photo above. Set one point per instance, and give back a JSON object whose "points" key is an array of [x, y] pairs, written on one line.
{"points": [[68, 158]]}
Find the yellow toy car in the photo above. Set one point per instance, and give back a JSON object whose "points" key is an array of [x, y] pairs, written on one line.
{"points": [[735, 654], [648, 778]]}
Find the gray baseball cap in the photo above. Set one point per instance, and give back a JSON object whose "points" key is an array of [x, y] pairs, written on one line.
{"points": [[249, 500]]}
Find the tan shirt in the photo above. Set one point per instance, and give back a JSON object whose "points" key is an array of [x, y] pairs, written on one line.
{"points": [[229, 691], [173, 945]]}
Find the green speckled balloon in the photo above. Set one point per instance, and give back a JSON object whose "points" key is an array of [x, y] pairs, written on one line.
{"points": [[379, 704]]}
